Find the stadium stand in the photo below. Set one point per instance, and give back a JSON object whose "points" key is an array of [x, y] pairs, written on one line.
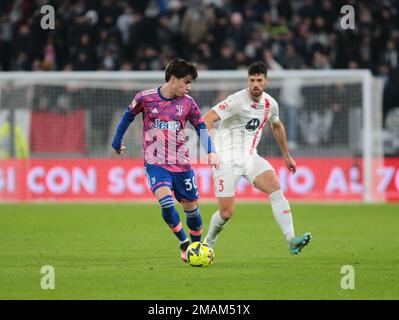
{"points": [[217, 34]]}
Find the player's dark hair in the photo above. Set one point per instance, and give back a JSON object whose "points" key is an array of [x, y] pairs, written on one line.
{"points": [[180, 68], [257, 67]]}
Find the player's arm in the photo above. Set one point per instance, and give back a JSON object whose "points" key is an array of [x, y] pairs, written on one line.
{"points": [[127, 118], [209, 119], [281, 139], [203, 134], [206, 142]]}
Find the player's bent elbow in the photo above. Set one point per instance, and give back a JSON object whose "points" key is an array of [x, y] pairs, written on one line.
{"points": [[276, 125], [211, 116]]}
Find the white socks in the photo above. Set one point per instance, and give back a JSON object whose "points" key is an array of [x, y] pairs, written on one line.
{"points": [[282, 213], [217, 223]]}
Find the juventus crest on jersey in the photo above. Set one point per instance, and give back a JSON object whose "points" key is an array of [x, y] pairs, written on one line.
{"points": [[242, 121]]}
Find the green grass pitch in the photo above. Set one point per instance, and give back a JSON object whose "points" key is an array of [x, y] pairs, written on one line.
{"points": [[125, 251]]}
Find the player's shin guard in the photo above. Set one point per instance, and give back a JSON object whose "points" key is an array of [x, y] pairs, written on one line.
{"points": [[171, 217], [216, 225], [282, 213], [194, 223]]}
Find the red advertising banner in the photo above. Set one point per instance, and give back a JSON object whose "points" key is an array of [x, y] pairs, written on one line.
{"points": [[324, 179], [67, 132]]}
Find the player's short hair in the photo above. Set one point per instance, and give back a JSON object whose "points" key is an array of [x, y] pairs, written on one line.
{"points": [[180, 68], [257, 67]]}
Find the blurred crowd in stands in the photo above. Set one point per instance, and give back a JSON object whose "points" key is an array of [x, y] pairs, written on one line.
{"points": [[216, 34]]}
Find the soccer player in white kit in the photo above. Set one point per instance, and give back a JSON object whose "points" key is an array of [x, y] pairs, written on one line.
{"points": [[243, 116]]}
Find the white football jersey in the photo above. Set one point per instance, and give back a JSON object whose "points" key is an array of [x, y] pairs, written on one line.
{"points": [[242, 121]]}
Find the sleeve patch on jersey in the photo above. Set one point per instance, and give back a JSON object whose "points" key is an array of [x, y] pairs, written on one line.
{"points": [[225, 104], [132, 105]]}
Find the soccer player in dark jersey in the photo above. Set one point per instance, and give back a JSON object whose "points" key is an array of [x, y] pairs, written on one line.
{"points": [[165, 112]]}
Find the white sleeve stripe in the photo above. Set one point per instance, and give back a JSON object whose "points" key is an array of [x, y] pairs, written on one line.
{"points": [[190, 97], [147, 92]]}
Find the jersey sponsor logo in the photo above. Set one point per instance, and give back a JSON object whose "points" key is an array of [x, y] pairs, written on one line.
{"points": [[252, 124], [166, 125]]}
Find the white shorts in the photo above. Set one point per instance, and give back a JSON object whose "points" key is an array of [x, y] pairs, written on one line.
{"points": [[228, 174]]}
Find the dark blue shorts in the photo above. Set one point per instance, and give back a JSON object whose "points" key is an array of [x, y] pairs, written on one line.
{"points": [[183, 184]]}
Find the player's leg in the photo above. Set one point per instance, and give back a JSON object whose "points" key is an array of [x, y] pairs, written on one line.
{"points": [[268, 182], [225, 180], [219, 219], [172, 218], [193, 219], [186, 192], [161, 184], [264, 178]]}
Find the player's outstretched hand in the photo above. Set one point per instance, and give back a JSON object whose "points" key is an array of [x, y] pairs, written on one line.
{"points": [[121, 149], [290, 163], [213, 160]]}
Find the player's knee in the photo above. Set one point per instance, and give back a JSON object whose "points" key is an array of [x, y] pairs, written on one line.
{"points": [[275, 187], [167, 204], [226, 213], [189, 206]]}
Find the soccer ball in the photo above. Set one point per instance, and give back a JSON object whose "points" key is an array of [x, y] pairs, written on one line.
{"points": [[200, 254]]}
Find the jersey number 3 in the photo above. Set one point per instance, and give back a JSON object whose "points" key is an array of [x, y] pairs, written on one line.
{"points": [[221, 186]]}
